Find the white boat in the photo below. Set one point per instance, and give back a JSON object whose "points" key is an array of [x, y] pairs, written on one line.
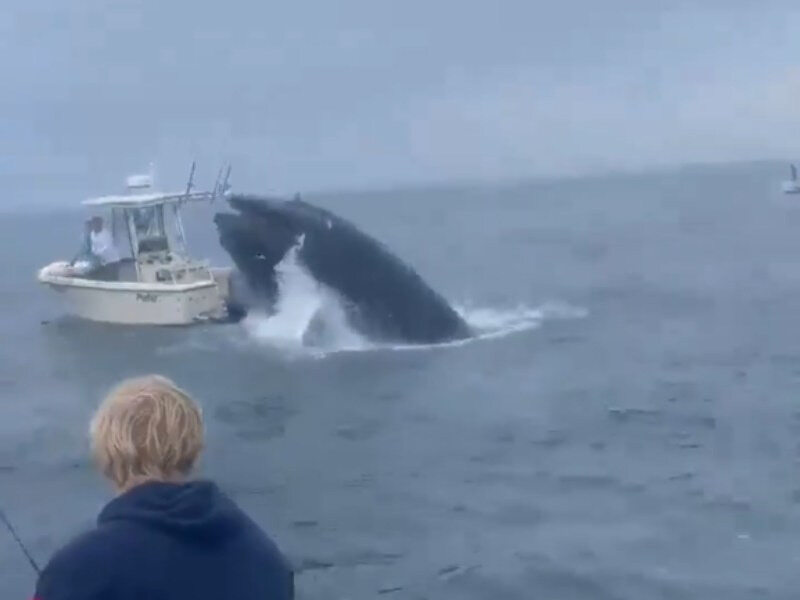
{"points": [[156, 281], [791, 185]]}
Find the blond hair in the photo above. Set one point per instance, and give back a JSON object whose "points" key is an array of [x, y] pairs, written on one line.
{"points": [[146, 429]]}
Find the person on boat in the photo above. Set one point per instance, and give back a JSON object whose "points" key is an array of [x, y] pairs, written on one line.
{"points": [[102, 243], [164, 535], [84, 260]]}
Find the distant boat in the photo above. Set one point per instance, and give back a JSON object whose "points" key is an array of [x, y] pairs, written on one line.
{"points": [[792, 186]]}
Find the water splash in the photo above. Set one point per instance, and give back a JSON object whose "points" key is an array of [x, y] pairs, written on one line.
{"points": [[309, 318], [306, 316]]}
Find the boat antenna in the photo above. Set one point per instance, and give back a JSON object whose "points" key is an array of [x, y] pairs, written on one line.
{"points": [[794, 172], [190, 183], [221, 185], [226, 182], [216, 185], [20, 543]]}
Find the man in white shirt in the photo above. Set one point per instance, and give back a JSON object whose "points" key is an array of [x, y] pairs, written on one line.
{"points": [[102, 243]]}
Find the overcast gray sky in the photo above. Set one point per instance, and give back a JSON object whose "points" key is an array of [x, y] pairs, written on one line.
{"points": [[357, 93]]}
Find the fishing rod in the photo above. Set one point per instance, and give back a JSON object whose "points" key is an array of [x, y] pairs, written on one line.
{"points": [[13, 533]]}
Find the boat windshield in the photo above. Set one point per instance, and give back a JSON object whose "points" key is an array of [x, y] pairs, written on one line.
{"points": [[148, 223], [119, 232]]}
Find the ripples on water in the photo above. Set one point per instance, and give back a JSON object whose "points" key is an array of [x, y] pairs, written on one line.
{"points": [[630, 432]]}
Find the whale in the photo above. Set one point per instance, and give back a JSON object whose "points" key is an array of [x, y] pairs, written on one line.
{"points": [[384, 298]]}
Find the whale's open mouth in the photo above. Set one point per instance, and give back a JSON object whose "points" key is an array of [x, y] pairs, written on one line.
{"points": [[382, 297]]}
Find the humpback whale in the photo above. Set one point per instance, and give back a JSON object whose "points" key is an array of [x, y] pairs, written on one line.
{"points": [[384, 298]]}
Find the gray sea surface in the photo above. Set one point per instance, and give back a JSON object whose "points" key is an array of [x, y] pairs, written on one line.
{"points": [[629, 432]]}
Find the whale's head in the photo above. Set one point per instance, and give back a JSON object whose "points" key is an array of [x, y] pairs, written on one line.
{"points": [[258, 236], [381, 295]]}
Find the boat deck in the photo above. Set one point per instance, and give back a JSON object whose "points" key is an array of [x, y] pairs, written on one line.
{"points": [[125, 270]]}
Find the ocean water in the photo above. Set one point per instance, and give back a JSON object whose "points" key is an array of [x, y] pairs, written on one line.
{"points": [[626, 427]]}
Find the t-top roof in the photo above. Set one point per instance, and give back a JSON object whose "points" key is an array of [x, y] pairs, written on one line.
{"points": [[145, 200]]}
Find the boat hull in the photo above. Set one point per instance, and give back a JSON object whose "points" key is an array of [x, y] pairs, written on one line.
{"points": [[790, 187], [132, 303]]}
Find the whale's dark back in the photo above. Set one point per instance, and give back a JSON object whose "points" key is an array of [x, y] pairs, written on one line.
{"points": [[385, 297]]}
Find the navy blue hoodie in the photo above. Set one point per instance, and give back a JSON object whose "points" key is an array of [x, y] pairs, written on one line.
{"points": [[166, 541]]}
